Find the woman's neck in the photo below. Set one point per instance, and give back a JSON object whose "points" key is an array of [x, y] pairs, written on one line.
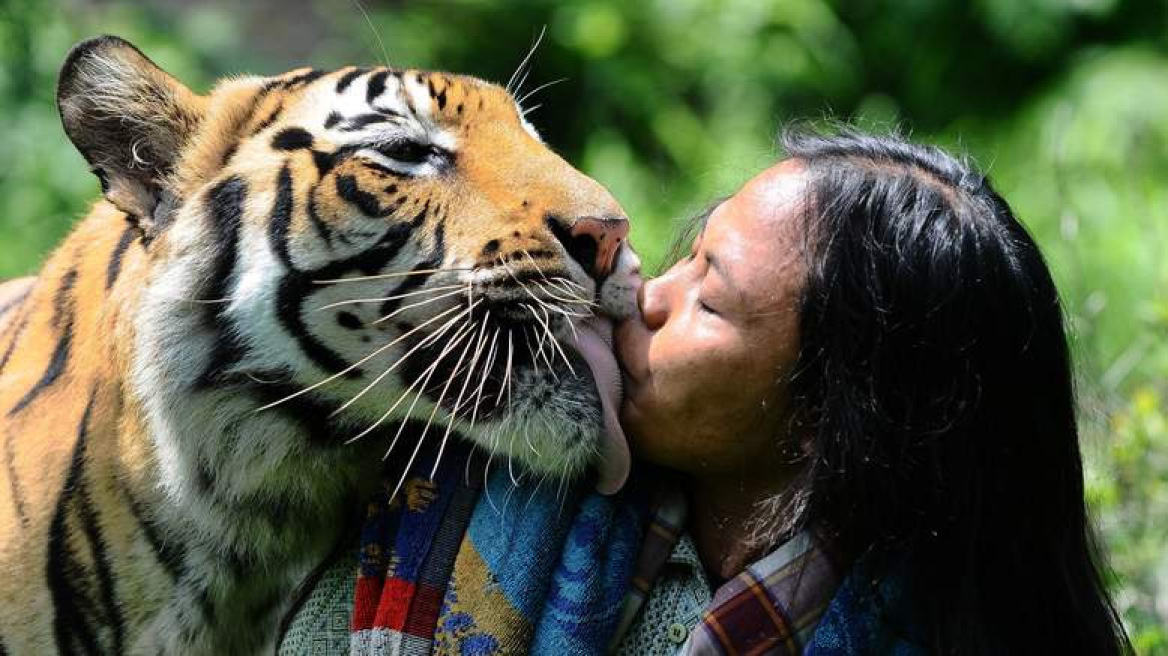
{"points": [[722, 514]]}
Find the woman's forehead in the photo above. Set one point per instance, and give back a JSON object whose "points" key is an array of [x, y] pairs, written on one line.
{"points": [[754, 233], [765, 205]]}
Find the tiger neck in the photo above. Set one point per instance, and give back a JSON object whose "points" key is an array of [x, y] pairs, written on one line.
{"points": [[255, 488]]}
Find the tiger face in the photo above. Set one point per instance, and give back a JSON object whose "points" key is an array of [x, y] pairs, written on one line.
{"points": [[377, 254]]}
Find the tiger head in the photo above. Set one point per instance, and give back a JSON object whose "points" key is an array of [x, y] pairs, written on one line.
{"points": [[365, 249]]}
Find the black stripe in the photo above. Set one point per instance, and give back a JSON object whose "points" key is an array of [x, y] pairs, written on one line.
{"points": [[370, 206], [16, 335], [281, 221], [417, 280], [74, 629], [228, 154], [322, 230], [289, 301], [170, 555], [114, 268], [269, 119], [62, 320], [348, 78], [438, 96], [412, 282], [292, 139], [97, 549], [225, 205], [376, 86], [326, 161], [303, 79], [331, 120], [380, 168], [18, 501], [12, 303], [298, 285], [244, 120]]}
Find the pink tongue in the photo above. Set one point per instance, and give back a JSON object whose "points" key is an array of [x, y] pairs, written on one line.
{"points": [[594, 342]]}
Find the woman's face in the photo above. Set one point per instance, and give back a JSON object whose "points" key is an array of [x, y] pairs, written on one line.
{"points": [[708, 356]]}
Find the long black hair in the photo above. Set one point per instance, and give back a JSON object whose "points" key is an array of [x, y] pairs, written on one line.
{"points": [[934, 398]]}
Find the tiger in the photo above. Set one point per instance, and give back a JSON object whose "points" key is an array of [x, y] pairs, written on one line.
{"points": [[288, 284]]}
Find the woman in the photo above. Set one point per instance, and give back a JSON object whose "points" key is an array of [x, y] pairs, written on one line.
{"points": [[862, 373]]}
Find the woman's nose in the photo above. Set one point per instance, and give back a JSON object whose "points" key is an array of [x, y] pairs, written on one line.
{"points": [[652, 301]]}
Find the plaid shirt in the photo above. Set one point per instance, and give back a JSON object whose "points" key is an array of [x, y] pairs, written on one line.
{"points": [[773, 607]]}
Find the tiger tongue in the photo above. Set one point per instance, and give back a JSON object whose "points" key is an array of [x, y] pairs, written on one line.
{"points": [[594, 342]]}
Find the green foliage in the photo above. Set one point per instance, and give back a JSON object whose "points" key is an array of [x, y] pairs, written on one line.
{"points": [[672, 103]]}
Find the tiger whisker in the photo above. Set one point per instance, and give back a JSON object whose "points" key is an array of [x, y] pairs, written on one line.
{"points": [[536, 298], [382, 299], [396, 274], [527, 438], [486, 374], [536, 353], [401, 397], [574, 300], [423, 378], [369, 23], [487, 478], [556, 342], [567, 281], [411, 306], [201, 301], [458, 400], [528, 291], [438, 405], [541, 338], [422, 438], [535, 264], [379, 350], [523, 63], [541, 87], [429, 339], [507, 372], [511, 463], [482, 343]]}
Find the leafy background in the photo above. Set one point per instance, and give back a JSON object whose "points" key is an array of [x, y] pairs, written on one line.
{"points": [[673, 102]]}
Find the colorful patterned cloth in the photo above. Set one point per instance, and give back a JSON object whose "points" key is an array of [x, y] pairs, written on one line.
{"points": [[454, 565], [408, 548]]}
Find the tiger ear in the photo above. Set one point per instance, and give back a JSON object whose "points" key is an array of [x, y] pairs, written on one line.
{"points": [[130, 120]]}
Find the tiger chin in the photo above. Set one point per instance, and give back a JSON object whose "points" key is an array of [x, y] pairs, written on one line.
{"points": [[290, 282]]}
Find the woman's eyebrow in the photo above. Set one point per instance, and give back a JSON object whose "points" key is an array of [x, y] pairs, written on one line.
{"points": [[718, 265]]}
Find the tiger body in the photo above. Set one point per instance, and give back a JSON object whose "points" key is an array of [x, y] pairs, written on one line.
{"points": [[182, 384]]}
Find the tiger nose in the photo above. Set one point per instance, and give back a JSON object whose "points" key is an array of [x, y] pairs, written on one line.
{"points": [[595, 241]]}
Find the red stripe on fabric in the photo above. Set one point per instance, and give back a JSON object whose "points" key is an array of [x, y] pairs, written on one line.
{"points": [[750, 624], [395, 603], [423, 615], [365, 602]]}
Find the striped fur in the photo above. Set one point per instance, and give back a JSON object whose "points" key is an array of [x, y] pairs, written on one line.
{"points": [[150, 500]]}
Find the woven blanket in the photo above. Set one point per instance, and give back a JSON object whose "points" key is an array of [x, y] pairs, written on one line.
{"points": [[455, 564]]}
